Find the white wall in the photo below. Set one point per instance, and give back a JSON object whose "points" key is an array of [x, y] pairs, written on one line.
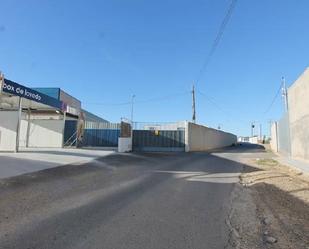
{"points": [[202, 138], [254, 140], [42, 133], [124, 144], [8, 125]]}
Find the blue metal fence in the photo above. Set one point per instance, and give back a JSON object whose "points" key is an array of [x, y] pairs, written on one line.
{"points": [[101, 134], [159, 140], [101, 137]]}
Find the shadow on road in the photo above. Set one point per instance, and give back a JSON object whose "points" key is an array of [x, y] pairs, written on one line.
{"points": [[242, 148], [72, 201]]}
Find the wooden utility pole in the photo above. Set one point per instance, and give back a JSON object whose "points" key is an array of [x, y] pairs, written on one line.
{"points": [[193, 105]]}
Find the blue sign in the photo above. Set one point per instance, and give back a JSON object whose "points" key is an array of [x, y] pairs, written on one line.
{"points": [[13, 88]]}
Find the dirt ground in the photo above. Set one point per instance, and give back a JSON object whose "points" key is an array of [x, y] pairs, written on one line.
{"points": [[270, 207]]}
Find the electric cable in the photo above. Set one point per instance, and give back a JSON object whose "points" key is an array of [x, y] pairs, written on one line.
{"points": [[217, 39]]}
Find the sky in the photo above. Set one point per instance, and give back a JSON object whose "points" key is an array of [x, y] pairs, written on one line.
{"points": [[105, 51]]}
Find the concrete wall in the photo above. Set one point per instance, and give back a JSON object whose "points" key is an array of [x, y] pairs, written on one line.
{"points": [[8, 125], [42, 133], [274, 139], [298, 100], [283, 133], [45, 130], [124, 144], [202, 138]]}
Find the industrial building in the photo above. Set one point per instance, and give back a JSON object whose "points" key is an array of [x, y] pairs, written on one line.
{"points": [[39, 117], [51, 118]]}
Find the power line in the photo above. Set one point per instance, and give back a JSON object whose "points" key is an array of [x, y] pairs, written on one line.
{"points": [[213, 102], [107, 104], [218, 37], [274, 99], [209, 99], [167, 97]]}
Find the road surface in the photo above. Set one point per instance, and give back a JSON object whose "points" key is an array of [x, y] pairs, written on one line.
{"points": [[151, 200]]}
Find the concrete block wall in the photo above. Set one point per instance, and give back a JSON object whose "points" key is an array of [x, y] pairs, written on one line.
{"points": [[202, 138], [298, 101]]}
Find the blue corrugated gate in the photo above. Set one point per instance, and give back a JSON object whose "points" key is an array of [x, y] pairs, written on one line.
{"points": [[101, 134], [101, 137], [159, 140]]}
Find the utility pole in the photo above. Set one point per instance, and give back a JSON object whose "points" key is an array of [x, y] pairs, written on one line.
{"points": [[252, 129], [270, 125], [193, 105], [132, 106], [260, 132], [285, 95], [1, 80]]}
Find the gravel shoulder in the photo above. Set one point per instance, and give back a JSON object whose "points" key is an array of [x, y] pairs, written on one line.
{"points": [[270, 206]]}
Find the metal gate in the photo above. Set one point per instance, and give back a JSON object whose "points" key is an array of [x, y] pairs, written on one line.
{"points": [[70, 131], [159, 138], [101, 134]]}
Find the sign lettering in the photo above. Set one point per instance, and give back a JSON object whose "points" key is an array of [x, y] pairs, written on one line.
{"points": [[13, 88]]}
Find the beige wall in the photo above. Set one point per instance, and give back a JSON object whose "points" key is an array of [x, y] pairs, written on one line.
{"points": [[202, 138], [298, 96], [8, 125]]}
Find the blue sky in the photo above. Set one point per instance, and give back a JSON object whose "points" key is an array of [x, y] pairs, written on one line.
{"points": [[102, 52]]}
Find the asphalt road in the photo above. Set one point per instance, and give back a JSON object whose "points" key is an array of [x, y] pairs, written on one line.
{"points": [[125, 201]]}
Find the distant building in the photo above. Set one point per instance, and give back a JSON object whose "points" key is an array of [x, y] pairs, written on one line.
{"points": [[251, 140]]}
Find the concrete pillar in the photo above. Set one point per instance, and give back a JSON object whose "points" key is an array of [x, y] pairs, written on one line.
{"points": [[63, 128], [187, 136], [18, 124], [28, 128]]}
